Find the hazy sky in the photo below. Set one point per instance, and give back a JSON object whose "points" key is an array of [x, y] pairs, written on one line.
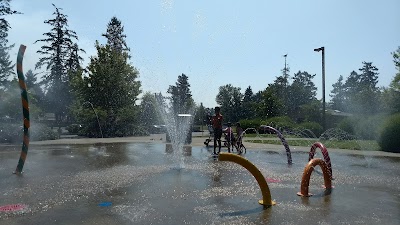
{"points": [[217, 42]]}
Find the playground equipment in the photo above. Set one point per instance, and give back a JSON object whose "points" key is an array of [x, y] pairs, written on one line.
{"points": [[266, 201], [325, 153], [285, 144], [25, 110], [305, 181]]}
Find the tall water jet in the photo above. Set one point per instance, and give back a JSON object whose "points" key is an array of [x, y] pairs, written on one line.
{"points": [[179, 129]]}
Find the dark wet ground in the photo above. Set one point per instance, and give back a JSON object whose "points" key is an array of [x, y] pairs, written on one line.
{"points": [[147, 183]]}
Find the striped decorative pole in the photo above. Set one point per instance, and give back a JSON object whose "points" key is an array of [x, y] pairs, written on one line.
{"points": [[25, 110]]}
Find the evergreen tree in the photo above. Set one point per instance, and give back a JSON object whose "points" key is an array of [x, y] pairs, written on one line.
{"points": [[280, 89], [115, 35], [200, 115], [181, 96], [369, 96], [301, 92], [6, 65], [338, 95], [249, 105], [362, 95], [369, 76], [35, 91], [57, 57]]}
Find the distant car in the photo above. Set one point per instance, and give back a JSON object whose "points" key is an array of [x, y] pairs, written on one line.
{"points": [[158, 129]]}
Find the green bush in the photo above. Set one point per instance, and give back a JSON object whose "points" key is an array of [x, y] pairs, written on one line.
{"points": [[73, 128], [347, 125], [389, 138], [281, 123], [40, 132], [13, 132], [314, 127], [361, 126], [245, 124], [367, 128]]}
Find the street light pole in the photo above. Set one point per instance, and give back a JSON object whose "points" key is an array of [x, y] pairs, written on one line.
{"points": [[323, 86]]}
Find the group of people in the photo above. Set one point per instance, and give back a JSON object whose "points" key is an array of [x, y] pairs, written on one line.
{"points": [[216, 122]]}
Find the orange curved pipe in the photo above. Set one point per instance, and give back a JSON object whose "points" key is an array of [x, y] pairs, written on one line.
{"points": [[305, 181]]}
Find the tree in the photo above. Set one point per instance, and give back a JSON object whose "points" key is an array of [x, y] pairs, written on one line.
{"points": [[148, 113], [200, 115], [6, 65], [361, 93], [279, 92], [338, 95], [304, 87], [368, 97], [369, 76], [181, 96], [60, 56], [391, 95], [269, 104], [36, 94], [10, 101], [249, 106], [395, 84], [230, 99], [112, 88], [115, 35]]}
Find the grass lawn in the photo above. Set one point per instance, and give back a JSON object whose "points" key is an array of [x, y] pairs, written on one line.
{"points": [[348, 144]]}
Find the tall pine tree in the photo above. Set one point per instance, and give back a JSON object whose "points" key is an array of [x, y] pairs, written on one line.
{"points": [[115, 36], [59, 56], [181, 96], [338, 95], [6, 65]]}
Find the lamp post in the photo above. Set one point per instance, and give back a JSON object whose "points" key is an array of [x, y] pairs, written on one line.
{"points": [[323, 85]]}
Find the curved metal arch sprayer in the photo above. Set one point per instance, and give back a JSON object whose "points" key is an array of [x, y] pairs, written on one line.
{"points": [[25, 110], [325, 153], [284, 142], [266, 201], [305, 181]]}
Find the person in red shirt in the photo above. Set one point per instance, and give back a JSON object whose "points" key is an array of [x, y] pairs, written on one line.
{"points": [[217, 127]]}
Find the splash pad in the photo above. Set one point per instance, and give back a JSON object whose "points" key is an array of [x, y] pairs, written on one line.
{"points": [[144, 186]]}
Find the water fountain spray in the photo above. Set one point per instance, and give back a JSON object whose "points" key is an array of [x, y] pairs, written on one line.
{"points": [[98, 122]]}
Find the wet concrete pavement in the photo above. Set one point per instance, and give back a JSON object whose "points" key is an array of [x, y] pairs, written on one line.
{"points": [[149, 183]]}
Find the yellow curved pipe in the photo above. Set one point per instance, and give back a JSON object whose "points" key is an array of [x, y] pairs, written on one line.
{"points": [[266, 201], [305, 181]]}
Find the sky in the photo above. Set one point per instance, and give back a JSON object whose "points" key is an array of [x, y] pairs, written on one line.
{"points": [[220, 42]]}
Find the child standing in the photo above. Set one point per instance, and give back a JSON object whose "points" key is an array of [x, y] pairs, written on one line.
{"points": [[239, 136], [230, 137], [217, 127]]}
